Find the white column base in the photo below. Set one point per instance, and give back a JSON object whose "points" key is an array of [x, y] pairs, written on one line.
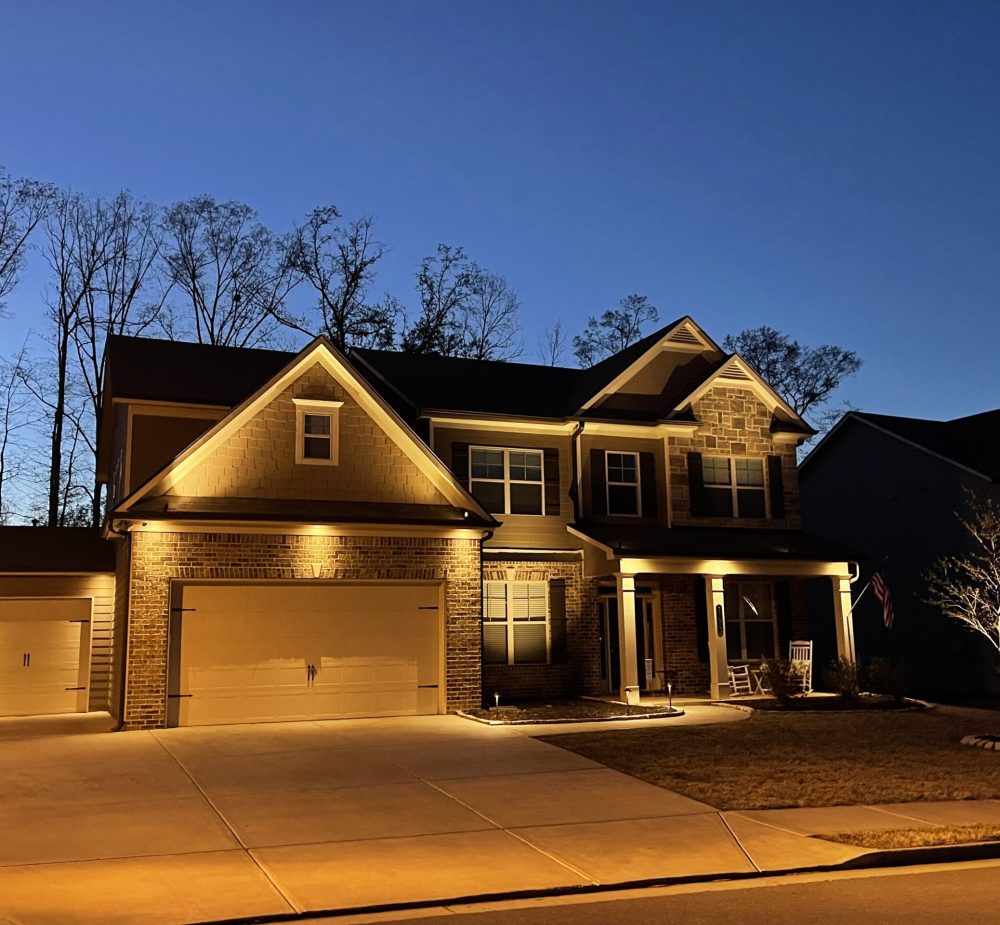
{"points": [[632, 696]]}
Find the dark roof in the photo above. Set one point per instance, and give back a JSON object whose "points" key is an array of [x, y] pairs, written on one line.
{"points": [[55, 549], [716, 543], [973, 441], [272, 509], [201, 374], [485, 386]]}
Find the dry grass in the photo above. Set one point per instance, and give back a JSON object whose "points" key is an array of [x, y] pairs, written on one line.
{"points": [[778, 760], [918, 838]]}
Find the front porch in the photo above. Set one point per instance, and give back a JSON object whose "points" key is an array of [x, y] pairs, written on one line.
{"points": [[673, 624]]}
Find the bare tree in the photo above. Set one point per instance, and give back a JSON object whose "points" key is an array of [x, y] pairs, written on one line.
{"points": [[966, 587], [338, 262], [615, 330], [443, 290], [125, 297], [552, 345], [488, 319], [232, 268], [805, 377], [23, 206], [16, 419]]}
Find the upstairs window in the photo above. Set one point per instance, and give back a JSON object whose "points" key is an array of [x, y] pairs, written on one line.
{"points": [[317, 432], [623, 483], [733, 487], [507, 481]]}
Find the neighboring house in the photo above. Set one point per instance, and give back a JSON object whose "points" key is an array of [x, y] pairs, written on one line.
{"points": [[893, 486], [319, 535]]}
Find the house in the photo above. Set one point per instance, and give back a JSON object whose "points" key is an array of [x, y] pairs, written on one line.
{"points": [[320, 535], [893, 485]]}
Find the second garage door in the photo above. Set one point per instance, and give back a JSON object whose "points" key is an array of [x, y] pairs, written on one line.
{"points": [[268, 653]]}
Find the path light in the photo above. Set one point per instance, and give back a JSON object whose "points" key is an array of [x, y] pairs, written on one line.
{"points": [[496, 699], [670, 695]]}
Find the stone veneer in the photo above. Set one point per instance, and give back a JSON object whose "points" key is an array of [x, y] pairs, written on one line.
{"points": [[157, 559]]}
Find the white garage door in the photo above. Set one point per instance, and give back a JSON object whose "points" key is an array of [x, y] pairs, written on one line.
{"points": [[44, 653], [266, 653]]}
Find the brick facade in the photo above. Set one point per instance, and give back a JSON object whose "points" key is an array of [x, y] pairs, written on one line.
{"points": [[158, 559]]}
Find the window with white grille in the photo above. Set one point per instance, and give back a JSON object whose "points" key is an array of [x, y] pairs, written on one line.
{"points": [[515, 622]]}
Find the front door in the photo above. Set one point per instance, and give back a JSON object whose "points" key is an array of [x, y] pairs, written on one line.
{"points": [[648, 643]]}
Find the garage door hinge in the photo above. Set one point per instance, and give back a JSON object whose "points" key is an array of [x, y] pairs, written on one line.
{"points": [[176, 696], [432, 607], [183, 609], [78, 621], [427, 685], [75, 688]]}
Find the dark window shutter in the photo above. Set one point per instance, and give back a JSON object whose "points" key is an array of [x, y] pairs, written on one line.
{"points": [[557, 621], [776, 486], [700, 618], [783, 613], [598, 484], [696, 485], [460, 462], [647, 481], [551, 459]]}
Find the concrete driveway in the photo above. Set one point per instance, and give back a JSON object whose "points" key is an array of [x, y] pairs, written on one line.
{"points": [[190, 825]]}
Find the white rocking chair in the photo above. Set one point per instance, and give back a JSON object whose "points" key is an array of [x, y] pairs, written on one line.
{"points": [[800, 655], [740, 683]]}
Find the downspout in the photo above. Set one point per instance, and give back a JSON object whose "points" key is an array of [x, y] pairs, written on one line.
{"points": [[123, 669], [578, 475], [485, 537]]}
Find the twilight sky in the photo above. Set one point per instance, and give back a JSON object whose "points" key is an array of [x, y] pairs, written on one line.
{"points": [[831, 169]]}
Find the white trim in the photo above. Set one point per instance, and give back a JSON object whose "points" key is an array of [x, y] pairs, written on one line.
{"points": [[317, 408], [637, 484], [662, 345], [320, 352], [135, 524], [167, 407], [641, 431], [507, 425], [762, 567]]}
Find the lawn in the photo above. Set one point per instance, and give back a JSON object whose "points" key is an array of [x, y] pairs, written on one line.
{"points": [[776, 760]]}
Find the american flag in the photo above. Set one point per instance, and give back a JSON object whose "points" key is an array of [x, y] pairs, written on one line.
{"points": [[881, 591]]}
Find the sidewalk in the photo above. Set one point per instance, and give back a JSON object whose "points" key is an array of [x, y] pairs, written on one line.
{"points": [[197, 825]]}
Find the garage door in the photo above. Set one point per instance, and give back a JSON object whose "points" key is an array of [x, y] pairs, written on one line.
{"points": [[44, 652], [267, 653]]}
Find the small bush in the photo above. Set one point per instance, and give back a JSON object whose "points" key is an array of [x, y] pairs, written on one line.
{"points": [[783, 679], [883, 676], [842, 678]]}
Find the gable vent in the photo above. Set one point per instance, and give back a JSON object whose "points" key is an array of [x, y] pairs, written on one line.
{"points": [[684, 336], [733, 370]]}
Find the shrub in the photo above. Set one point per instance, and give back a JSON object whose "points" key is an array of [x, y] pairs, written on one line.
{"points": [[783, 679], [883, 676], [842, 678]]}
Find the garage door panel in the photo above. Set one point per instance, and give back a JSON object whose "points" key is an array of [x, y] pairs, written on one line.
{"points": [[244, 652]]}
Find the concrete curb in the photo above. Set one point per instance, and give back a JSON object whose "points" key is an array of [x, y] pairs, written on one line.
{"points": [[557, 722], [896, 857]]}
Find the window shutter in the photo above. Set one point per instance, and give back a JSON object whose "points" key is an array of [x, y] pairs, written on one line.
{"points": [[776, 487], [598, 484], [460, 462], [647, 480], [783, 613], [551, 460], [557, 621], [700, 618], [696, 485]]}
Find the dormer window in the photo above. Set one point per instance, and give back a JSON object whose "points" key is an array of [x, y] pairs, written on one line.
{"points": [[317, 432]]}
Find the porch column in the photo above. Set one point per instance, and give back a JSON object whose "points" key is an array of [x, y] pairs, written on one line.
{"points": [[627, 647], [843, 617], [718, 659]]}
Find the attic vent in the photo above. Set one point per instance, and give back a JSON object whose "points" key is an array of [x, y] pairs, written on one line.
{"points": [[733, 370], [684, 336]]}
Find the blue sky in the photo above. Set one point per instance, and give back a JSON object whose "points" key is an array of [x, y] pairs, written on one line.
{"points": [[831, 169]]}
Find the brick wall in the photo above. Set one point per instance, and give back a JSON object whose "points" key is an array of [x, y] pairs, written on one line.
{"points": [[160, 558], [258, 460], [582, 669], [679, 615], [737, 423]]}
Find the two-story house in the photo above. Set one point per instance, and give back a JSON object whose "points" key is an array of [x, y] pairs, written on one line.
{"points": [[319, 535]]}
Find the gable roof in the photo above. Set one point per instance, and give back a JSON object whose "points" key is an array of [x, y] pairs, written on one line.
{"points": [[972, 442], [319, 351]]}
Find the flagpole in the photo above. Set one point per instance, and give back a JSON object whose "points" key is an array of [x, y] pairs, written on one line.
{"points": [[868, 584]]}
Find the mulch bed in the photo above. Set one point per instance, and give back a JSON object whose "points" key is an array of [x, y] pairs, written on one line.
{"points": [[831, 704], [563, 710]]}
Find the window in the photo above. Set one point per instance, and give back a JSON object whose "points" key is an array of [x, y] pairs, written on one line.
{"points": [[515, 622], [733, 487], [751, 628], [317, 432], [507, 481], [623, 483]]}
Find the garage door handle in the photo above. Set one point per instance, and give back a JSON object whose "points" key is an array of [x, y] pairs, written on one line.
{"points": [[178, 696], [427, 685]]}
